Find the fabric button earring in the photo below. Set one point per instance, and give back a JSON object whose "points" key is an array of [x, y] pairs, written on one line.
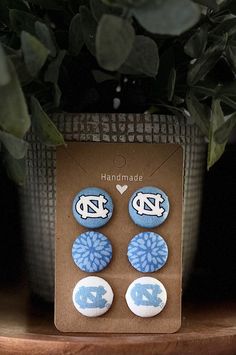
{"points": [[146, 297], [92, 207], [92, 296], [147, 252], [149, 207], [92, 251]]}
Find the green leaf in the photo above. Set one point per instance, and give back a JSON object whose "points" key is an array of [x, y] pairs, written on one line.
{"points": [[143, 59], [22, 72], [17, 4], [57, 95], [228, 101], [231, 56], [35, 53], [215, 150], [22, 21], [53, 69], [8, 50], [114, 41], [15, 146], [153, 109], [170, 17], [99, 9], [212, 4], [89, 28], [45, 36], [76, 39], [167, 62], [206, 62], [199, 113], [50, 4], [5, 5], [14, 117], [44, 127], [101, 76], [16, 169], [171, 84], [224, 27], [52, 75], [223, 133], [196, 44], [125, 3], [228, 89], [204, 89], [4, 70]]}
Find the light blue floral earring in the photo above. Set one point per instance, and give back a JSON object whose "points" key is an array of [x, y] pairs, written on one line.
{"points": [[147, 252], [92, 251]]}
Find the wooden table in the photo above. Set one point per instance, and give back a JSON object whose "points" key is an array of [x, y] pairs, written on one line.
{"points": [[26, 328]]}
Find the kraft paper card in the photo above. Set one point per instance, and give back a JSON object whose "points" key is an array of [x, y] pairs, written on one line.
{"points": [[120, 169]]}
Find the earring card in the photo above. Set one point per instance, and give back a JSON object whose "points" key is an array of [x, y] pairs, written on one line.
{"points": [[120, 169]]}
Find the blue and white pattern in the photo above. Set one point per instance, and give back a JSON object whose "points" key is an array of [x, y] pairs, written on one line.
{"points": [[92, 296], [147, 252], [92, 207], [92, 251], [149, 207], [146, 297]]}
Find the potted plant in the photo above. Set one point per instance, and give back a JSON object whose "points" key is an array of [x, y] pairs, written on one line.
{"points": [[170, 63]]}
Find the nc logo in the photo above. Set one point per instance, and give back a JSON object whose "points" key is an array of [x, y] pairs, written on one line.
{"points": [[148, 204], [146, 295], [92, 207], [91, 297]]}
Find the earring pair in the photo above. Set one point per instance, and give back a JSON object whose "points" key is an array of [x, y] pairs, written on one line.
{"points": [[148, 207], [93, 296], [92, 252]]}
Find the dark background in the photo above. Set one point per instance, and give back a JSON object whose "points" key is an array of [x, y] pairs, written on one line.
{"points": [[214, 272]]}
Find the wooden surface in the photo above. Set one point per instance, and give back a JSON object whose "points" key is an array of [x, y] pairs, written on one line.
{"points": [[27, 328]]}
